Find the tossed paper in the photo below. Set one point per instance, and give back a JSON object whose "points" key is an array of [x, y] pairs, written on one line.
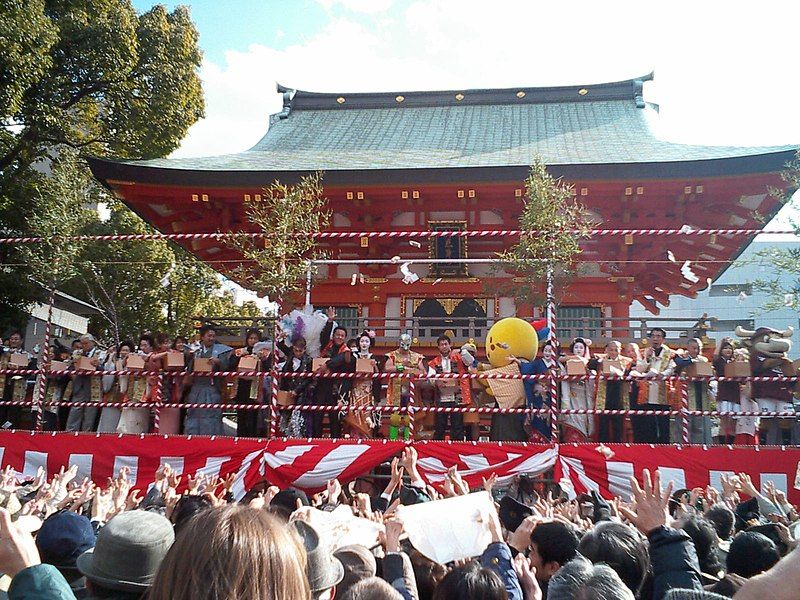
{"points": [[340, 527], [449, 529]]}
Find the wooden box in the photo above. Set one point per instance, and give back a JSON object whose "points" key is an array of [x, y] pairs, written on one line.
{"points": [[57, 365], [202, 365], [700, 369], [284, 398], [85, 364], [134, 361], [364, 365], [575, 366], [737, 369], [248, 363], [174, 360], [18, 360], [612, 367], [318, 363]]}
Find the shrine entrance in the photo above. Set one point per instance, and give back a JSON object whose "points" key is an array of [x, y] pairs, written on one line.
{"points": [[462, 318]]}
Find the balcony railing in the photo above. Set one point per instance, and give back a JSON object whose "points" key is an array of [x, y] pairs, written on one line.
{"points": [[425, 330]]}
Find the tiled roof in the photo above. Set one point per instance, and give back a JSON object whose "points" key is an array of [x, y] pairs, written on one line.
{"points": [[574, 125]]}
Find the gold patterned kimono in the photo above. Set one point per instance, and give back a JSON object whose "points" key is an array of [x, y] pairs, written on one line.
{"points": [[399, 388]]}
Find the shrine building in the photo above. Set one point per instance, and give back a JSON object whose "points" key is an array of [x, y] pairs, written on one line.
{"points": [[458, 160]]}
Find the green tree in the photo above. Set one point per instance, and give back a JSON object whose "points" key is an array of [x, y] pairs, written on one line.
{"points": [[89, 76], [277, 265], [783, 286], [551, 209], [104, 80]]}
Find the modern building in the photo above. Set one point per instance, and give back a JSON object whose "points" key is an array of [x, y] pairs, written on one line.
{"points": [[457, 160], [70, 320], [736, 298]]}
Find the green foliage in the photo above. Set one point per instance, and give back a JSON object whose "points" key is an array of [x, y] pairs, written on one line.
{"points": [[94, 78], [277, 266], [783, 287], [551, 209], [103, 83], [26, 37]]}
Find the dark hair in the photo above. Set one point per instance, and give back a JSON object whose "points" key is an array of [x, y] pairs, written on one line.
{"points": [[300, 341], [182, 338], [160, 338], [338, 328], [14, 332], [555, 542], [578, 340], [366, 335], [206, 328], [621, 548], [131, 346], [723, 519], [705, 539], [471, 581], [148, 338], [443, 338], [186, 508], [654, 329], [427, 573], [751, 553], [98, 590], [252, 331]]}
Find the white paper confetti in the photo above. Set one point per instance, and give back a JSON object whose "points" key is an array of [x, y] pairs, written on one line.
{"points": [[415, 243], [671, 256], [788, 299], [742, 297], [688, 274], [408, 275]]}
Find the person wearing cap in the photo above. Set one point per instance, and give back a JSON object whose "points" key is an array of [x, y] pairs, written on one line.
{"points": [[127, 555], [62, 539], [323, 569], [359, 564]]}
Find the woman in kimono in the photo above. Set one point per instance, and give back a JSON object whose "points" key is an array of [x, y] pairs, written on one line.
{"points": [[207, 389], [136, 419], [115, 388], [577, 395], [537, 392], [365, 393]]}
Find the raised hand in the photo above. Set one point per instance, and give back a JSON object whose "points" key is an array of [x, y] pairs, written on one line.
{"points": [[520, 539], [334, 489], [394, 529], [488, 484], [747, 486], [527, 578], [18, 550], [650, 503]]}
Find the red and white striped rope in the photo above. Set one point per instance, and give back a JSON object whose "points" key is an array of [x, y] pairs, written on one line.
{"points": [[412, 398], [338, 235], [313, 375], [685, 411], [417, 409]]}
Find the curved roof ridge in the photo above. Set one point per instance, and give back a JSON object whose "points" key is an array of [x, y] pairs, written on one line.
{"points": [[627, 89]]}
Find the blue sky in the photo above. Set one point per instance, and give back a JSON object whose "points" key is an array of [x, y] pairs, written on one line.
{"points": [[234, 25]]}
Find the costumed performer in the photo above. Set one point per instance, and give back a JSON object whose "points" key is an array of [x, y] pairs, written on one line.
{"points": [[577, 395], [401, 360]]}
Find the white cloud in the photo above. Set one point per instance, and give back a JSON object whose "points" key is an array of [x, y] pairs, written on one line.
{"points": [[723, 72]]}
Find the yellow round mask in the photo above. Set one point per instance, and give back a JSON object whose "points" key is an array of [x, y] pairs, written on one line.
{"points": [[511, 337]]}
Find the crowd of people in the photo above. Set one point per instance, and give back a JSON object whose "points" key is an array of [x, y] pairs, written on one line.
{"points": [[647, 383], [186, 537]]}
